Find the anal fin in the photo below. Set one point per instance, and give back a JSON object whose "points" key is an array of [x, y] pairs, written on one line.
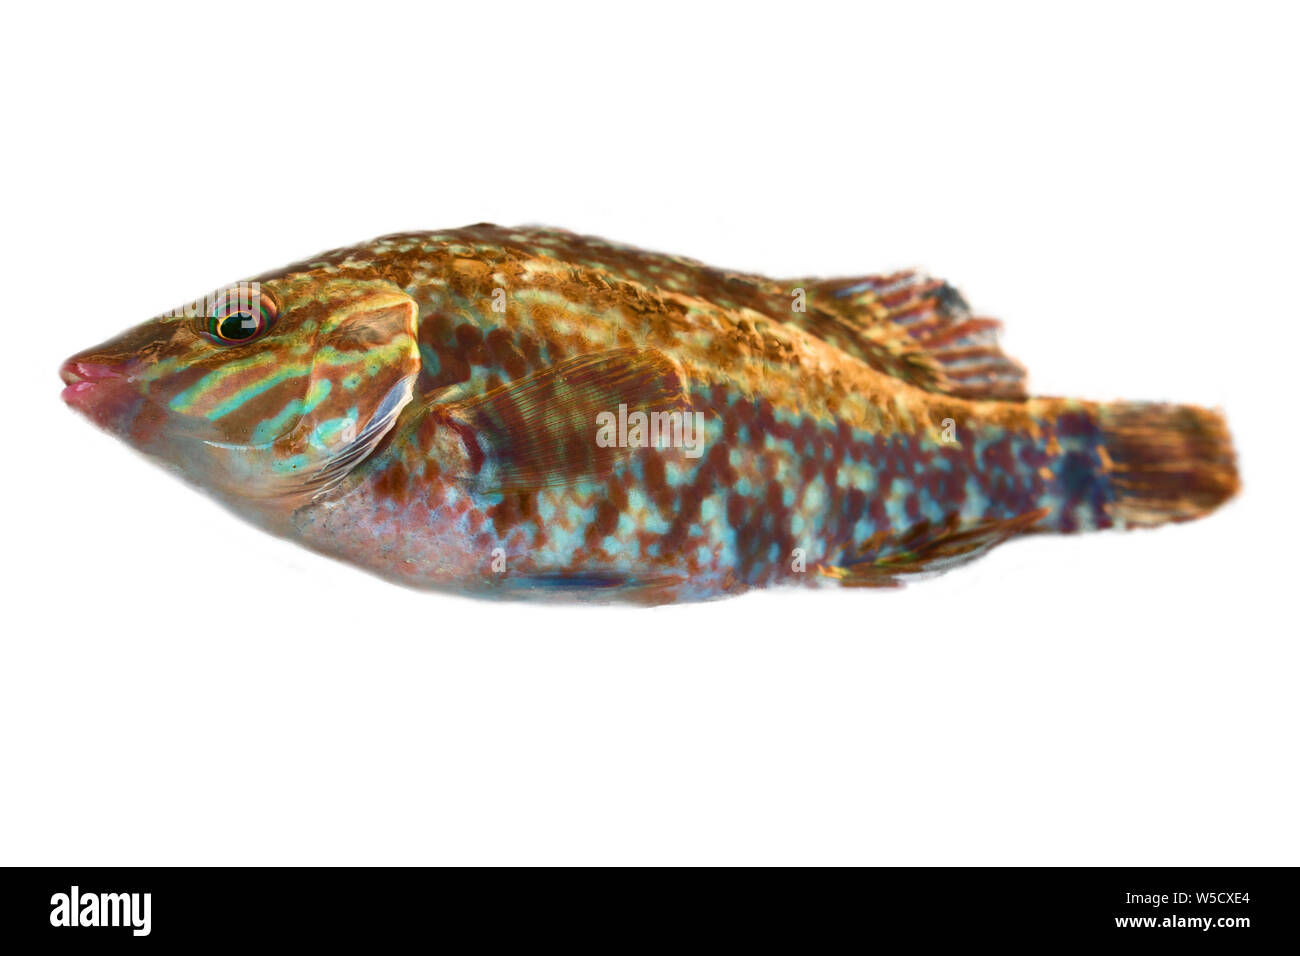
{"points": [[926, 548]]}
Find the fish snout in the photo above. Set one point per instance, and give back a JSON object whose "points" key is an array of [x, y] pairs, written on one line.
{"points": [[100, 388]]}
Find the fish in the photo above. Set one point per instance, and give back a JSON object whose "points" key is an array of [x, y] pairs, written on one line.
{"points": [[533, 413]]}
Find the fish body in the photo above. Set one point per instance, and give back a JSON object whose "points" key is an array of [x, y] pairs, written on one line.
{"points": [[529, 412]]}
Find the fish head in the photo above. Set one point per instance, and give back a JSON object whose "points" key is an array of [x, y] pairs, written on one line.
{"points": [[264, 391]]}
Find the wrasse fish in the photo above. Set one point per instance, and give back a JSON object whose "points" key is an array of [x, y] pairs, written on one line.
{"points": [[518, 412]]}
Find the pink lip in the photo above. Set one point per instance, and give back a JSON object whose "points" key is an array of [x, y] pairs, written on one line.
{"points": [[98, 390], [75, 392], [80, 378], [74, 372]]}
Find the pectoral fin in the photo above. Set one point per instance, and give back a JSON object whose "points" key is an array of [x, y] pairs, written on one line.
{"points": [[551, 428]]}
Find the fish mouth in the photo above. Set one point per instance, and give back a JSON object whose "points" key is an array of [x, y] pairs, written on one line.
{"points": [[102, 392], [80, 378]]}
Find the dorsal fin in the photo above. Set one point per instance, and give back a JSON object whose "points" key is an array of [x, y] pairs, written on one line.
{"points": [[924, 323]]}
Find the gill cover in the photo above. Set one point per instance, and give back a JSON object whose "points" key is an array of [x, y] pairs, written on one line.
{"points": [[360, 368]]}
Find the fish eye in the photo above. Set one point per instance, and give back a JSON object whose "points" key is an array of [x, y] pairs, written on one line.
{"points": [[241, 322]]}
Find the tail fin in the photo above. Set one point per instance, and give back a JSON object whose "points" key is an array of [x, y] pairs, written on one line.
{"points": [[1166, 462]]}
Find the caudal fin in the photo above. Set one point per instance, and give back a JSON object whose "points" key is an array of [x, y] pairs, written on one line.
{"points": [[1166, 462]]}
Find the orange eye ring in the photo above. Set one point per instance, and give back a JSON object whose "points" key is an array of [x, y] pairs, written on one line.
{"points": [[237, 320]]}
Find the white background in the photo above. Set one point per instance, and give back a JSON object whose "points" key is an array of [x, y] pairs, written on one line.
{"points": [[1117, 183]]}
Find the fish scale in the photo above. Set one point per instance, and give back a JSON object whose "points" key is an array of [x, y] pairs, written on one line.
{"points": [[430, 405]]}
